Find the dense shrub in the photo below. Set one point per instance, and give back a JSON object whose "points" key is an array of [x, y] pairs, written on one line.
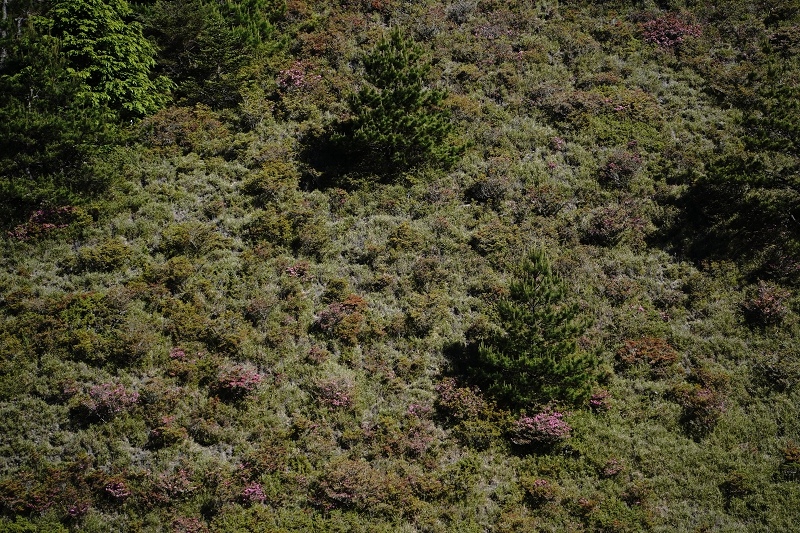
{"points": [[545, 428], [766, 305], [343, 320], [656, 353]]}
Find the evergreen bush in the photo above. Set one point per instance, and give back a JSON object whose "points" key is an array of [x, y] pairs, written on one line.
{"points": [[399, 123], [536, 358]]}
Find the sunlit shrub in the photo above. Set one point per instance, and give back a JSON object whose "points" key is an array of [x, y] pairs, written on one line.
{"points": [[104, 257], [343, 320], [538, 491], [654, 352], [253, 493], [337, 393], [545, 428], [669, 30], [275, 182], [459, 403], [167, 432], [106, 400], [237, 381]]}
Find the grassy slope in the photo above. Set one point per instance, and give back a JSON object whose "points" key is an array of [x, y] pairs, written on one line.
{"points": [[211, 247]]}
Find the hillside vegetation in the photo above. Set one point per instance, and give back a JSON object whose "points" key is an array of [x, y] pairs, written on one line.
{"points": [[399, 266]]}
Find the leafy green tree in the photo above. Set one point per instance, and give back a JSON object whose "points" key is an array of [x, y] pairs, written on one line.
{"points": [[204, 45], [49, 133], [536, 358], [397, 121], [108, 53]]}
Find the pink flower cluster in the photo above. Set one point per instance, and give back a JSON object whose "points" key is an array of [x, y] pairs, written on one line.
{"points": [[253, 493], [600, 400], [335, 392], [297, 77], [117, 490], [669, 31], [239, 380], [547, 427], [461, 403], [108, 399]]}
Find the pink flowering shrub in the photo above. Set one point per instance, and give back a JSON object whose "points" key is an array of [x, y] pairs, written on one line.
{"points": [[767, 306], [547, 427], [253, 493], [237, 381], [171, 486], [298, 76], [702, 407], [167, 432], [335, 392], [44, 221], [538, 491], [668, 31], [612, 468], [117, 490], [106, 400], [343, 320], [185, 524], [620, 167], [600, 400], [460, 403]]}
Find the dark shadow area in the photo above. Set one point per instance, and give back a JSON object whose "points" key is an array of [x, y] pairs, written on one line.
{"points": [[757, 228]]}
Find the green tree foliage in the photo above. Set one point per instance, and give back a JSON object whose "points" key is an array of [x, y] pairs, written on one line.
{"points": [[70, 71], [204, 45], [398, 121], [109, 54], [535, 359], [49, 133]]}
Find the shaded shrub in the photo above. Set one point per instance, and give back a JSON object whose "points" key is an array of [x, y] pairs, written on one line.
{"points": [[605, 226], [185, 129], [235, 382], [600, 400], [619, 169], [703, 401], [47, 221], [489, 189], [335, 392], [767, 305], [105, 401]]}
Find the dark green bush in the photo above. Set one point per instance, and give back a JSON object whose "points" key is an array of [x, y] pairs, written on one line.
{"points": [[536, 358]]}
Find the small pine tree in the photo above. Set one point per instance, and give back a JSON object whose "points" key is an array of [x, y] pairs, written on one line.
{"points": [[536, 358], [398, 122]]}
